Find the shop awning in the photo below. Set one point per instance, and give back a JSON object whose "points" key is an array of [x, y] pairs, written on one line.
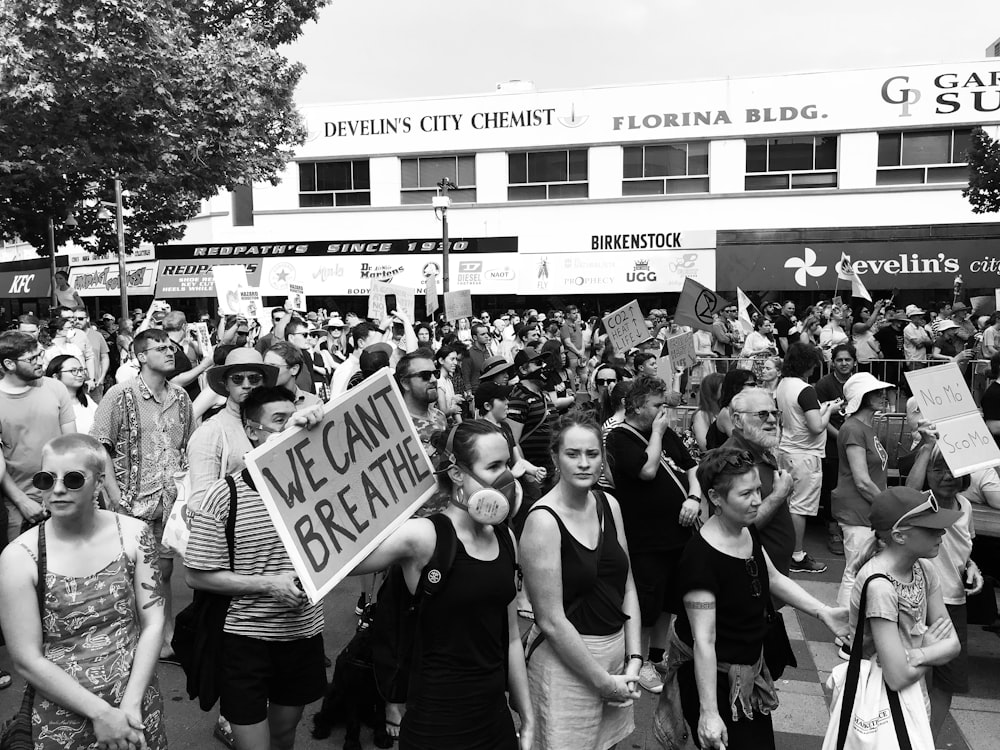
{"points": [[102, 280]]}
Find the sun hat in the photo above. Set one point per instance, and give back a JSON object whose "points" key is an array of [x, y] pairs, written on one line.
{"points": [[891, 507], [857, 386], [960, 307], [239, 360], [494, 366], [335, 322], [912, 310], [945, 324]]}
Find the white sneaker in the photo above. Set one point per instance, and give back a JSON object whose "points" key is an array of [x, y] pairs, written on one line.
{"points": [[649, 678]]}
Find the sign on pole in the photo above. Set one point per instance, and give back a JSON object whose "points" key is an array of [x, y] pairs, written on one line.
{"points": [[229, 280], [626, 327], [945, 400], [336, 491], [681, 348], [458, 304], [296, 298]]}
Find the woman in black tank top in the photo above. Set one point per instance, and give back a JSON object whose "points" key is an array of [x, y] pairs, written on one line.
{"points": [[467, 652], [583, 660]]}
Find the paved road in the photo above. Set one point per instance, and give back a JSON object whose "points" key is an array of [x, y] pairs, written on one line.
{"points": [[800, 720]]}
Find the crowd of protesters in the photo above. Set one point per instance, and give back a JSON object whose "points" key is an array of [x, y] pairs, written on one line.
{"points": [[651, 554]]}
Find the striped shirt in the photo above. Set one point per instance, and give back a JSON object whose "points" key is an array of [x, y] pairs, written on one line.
{"points": [[258, 551]]}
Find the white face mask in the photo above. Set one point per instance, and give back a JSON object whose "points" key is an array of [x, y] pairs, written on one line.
{"points": [[490, 505]]}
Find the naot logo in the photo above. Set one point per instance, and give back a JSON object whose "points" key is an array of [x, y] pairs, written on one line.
{"points": [[806, 266]]}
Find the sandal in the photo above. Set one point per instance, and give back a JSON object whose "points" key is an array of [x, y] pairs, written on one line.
{"points": [[5, 679], [224, 734]]}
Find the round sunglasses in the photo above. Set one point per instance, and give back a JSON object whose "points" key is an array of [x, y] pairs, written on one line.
{"points": [[46, 480]]}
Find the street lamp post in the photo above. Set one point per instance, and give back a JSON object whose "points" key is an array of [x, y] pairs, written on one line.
{"points": [[120, 229], [442, 203]]}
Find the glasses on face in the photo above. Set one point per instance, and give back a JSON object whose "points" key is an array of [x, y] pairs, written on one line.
{"points": [[764, 414], [754, 573], [315, 334], [264, 428], [930, 504], [605, 381], [74, 371], [79, 317], [239, 378], [423, 374], [160, 349], [46, 480], [33, 359], [243, 333]]}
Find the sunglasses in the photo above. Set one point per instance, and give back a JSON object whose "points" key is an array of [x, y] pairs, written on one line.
{"points": [[753, 572], [46, 480], [741, 460], [605, 381], [242, 333], [423, 374], [239, 378], [764, 414], [930, 504]]}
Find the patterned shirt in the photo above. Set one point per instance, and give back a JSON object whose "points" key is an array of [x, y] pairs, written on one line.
{"points": [[257, 551], [435, 421], [146, 439]]}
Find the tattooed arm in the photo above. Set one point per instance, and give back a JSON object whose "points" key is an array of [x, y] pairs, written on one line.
{"points": [[700, 607], [149, 595]]}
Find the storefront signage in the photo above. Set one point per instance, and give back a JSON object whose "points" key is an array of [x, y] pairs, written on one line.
{"points": [[143, 252], [614, 272], [103, 280], [25, 284], [911, 264], [338, 247], [184, 279]]}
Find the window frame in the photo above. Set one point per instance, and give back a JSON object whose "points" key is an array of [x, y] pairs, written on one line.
{"points": [[667, 184], [463, 193], [336, 193], [792, 179], [548, 189], [903, 173]]}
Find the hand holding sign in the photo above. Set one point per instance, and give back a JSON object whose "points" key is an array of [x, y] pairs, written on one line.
{"points": [[626, 327]]}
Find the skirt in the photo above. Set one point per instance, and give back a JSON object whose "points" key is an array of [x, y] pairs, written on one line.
{"points": [[568, 713]]}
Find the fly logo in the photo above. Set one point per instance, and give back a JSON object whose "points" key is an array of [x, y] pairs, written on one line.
{"points": [[21, 283]]}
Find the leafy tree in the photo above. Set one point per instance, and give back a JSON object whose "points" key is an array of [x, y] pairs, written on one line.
{"points": [[178, 98], [983, 156]]}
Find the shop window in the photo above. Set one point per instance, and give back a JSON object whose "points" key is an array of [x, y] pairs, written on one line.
{"points": [[334, 183], [923, 157], [421, 176], [665, 168], [242, 196], [547, 175], [792, 163]]}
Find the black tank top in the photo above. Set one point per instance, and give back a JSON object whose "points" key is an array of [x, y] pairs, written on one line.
{"points": [[182, 364], [597, 575]]}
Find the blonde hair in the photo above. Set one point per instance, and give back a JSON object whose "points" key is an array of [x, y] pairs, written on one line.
{"points": [[95, 456]]}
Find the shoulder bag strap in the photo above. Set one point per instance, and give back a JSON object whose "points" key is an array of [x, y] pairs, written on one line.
{"points": [[231, 522], [853, 676], [663, 459], [42, 568]]}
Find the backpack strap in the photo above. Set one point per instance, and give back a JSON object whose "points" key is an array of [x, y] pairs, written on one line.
{"points": [[231, 522], [435, 573]]}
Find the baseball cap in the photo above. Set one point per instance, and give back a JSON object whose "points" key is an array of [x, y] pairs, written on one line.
{"points": [[108, 316], [905, 506], [487, 392], [375, 357], [527, 354]]}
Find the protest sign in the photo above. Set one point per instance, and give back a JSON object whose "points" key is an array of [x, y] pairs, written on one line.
{"points": [[681, 348], [458, 304], [945, 400], [406, 302], [431, 294], [697, 306], [296, 298], [229, 280], [335, 492], [626, 327], [199, 332], [250, 303]]}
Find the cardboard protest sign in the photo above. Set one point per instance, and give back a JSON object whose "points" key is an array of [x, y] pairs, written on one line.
{"points": [[199, 332], [335, 492], [697, 306], [458, 304], [681, 348], [945, 400], [626, 327], [296, 298], [250, 303], [405, 299], [431, 294], [229, 280]]}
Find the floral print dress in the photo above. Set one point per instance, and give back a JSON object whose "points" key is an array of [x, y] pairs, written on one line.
{"points": [[91, 629]]}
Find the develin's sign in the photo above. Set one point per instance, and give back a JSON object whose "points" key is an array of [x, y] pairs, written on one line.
{"points": [[334, 492]]}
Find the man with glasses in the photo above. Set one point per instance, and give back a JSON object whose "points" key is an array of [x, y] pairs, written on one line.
{"points": [[271, 338], [756, 420], [417, 378], [145, 424], [33, 410], [79, 339], [28, 323], [99, 346], [189, 363]]}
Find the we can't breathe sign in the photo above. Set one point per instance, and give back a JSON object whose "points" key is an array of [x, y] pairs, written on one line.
{"points": [[336, 491]]}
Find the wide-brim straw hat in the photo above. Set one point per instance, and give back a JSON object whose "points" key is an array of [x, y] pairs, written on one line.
{"points": [[240, 360]]}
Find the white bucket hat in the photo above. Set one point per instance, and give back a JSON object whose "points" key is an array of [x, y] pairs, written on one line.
{"points": [[857, 386]]}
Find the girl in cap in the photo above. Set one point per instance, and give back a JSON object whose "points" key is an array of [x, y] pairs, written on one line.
{"points": [[958, 574], [862, 462], [906, 623]]}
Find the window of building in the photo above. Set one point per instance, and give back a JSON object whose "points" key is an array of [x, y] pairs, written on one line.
{"points": [[421, 176], [334, 183], [547, 175], [923, 157], [665, 168], [792, 162], [242, 197]]}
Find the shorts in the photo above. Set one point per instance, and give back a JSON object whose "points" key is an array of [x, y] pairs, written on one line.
{"points": [[953, 677], [807, 481], [255, 673], [654, 574]]}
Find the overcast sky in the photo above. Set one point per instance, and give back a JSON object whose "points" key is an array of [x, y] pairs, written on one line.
{"points": [[392, 49]]}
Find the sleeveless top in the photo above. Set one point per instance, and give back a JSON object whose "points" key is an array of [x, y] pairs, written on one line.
{"points": [[90, 629], [182, 364], [597, 575], [457, 696]]}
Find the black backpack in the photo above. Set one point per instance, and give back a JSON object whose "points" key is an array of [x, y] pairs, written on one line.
{"points": [[397, 611]]}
